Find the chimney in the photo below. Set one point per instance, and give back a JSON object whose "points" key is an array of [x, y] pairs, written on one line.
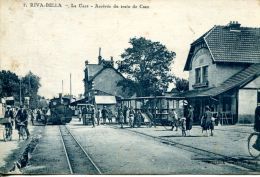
{"points": [[112, 61], [86, 62], [234, 26], [99, 56], [60, 97]]}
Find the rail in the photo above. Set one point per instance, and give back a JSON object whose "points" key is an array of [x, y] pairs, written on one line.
{"points": [[82, 149]]}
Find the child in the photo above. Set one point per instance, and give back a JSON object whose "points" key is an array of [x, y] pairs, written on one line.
{"points": [[183, 126], [121, 118]]}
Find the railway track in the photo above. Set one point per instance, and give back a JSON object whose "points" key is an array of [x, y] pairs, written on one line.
{"points": [[79, 162], [246, 163]]}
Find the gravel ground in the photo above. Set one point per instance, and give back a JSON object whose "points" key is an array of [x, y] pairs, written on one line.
{"points": [[117, 151], [49, 156], [227, 140]]}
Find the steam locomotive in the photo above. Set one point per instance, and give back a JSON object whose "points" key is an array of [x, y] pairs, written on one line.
{"points": [[61, 113]]}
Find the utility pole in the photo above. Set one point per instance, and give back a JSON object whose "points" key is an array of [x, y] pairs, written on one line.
{"points": [[62, 88], [70, 88], [20, 91]]}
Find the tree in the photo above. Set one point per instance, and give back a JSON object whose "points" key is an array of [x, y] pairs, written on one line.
{"points": [[146, 65], [182, 85], [30, 86], [9, 84]]}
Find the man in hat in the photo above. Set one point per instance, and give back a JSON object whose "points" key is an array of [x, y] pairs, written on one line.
{"points": [[189, 120], [92, 113], [9, 114], [22, 116], [104, 113]]}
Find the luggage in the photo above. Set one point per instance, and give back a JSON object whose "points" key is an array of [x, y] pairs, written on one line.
{"points": [[5, 120]]}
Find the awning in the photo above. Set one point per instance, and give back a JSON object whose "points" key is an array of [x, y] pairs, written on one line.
{"points": [[105, 99], [81, 101]]}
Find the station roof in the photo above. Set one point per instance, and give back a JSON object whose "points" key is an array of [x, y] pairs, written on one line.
{"points": [[236, 81], [233, 46]]}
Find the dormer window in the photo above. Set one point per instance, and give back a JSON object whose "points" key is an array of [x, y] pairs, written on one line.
{"points": [[201, 77]]}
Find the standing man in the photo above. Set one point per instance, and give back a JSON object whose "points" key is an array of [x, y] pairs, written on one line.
{"points": [[189, 120], [18, 117], [84, 115], [9, 114], [138, 118], [9, 125], [121, 118], [98, 115], [131, 117], [104, 114], [92, 114], [124, 113]]}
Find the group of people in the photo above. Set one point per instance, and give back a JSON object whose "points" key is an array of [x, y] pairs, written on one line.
{"points": [[105, 114], [16, 117], [178, 119], [125, 115], [96, 115], [185, 122]]}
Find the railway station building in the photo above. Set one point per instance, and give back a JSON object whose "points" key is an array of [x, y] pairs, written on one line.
{"points": [[100, 83], [224, 73]]}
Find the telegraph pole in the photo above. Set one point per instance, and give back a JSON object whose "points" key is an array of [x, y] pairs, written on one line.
{"points": [[20, 91], [62, 87], [70, 87]]}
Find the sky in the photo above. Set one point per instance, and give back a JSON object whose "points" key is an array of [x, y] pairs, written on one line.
{"points": [[54, 42]]}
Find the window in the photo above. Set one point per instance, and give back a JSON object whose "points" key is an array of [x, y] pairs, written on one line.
{"points": [[198, 75], [205, 74]]}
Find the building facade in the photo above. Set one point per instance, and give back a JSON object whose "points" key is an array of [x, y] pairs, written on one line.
{"points": [[103, 79], [224, 70]]}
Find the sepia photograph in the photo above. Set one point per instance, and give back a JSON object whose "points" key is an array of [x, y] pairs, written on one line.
{"points": [[129, 87]]}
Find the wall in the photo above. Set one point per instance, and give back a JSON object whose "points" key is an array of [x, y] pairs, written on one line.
{"points": [[247, 102], [254, 84], [107, 81], [217, 72], [224, 71], [202, 58]]}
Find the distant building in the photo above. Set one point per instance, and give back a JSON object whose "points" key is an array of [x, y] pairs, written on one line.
{"points": [[224, 70], [102, 79]]}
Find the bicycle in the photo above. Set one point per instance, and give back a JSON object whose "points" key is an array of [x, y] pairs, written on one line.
{"points": [[22, 131], [7, 133], [251, 141]]}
